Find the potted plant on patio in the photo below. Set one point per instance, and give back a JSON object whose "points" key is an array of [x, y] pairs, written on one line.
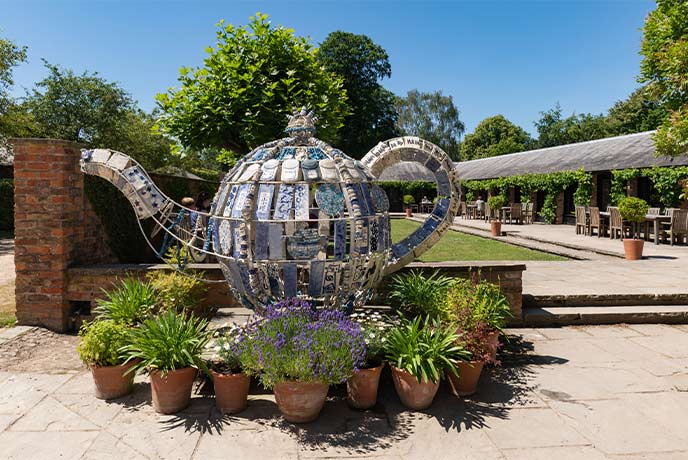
{"points": [[128, 302], [298, 351], [475, 339], [496, 203], [414, 293], [633, 210], [362, 386], [408, 202], [230, 382], [169, 347], [100, 350], [420, 352]]}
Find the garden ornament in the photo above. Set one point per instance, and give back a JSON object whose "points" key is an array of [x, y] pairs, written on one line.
{"points": [[296, 217]]}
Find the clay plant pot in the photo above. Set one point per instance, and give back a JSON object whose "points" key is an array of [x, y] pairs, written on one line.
{"points": [[300, 402], [466, 383], [172, 393], [113, 381], [493, 341], [413, 394], [361, 388], [231, 391], [496, 228], [633, 249], [408, 212]]}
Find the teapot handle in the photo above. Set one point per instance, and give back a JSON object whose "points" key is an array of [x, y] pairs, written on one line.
{"points": [[410, 148]]}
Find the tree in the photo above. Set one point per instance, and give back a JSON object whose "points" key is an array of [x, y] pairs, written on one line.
{"points": [[638, 113], [554, 130], [11, 55], [362, 64], [431, 116], [254, 77], [665, 68], [88, 109], [495, 136]]}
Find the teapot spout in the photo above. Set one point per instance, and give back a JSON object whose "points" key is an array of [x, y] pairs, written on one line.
{"points": [[129, 177]]}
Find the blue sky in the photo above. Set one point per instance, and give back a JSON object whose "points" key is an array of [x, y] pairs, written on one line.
{"points": [[516, 58]]}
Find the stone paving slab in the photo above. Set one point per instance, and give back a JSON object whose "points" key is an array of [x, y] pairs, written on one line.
{"points": [[593, 393]]}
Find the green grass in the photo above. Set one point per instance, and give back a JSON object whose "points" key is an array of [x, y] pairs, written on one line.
{"points": [[461, 246]]}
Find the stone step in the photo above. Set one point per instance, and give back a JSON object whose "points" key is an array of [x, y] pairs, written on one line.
{"points": [[567, 316], [602, 300]]}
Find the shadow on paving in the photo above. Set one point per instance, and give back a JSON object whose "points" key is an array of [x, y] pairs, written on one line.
{"points": [[345, 430]]}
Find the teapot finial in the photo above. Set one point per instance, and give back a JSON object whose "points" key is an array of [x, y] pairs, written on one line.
{"points": [[301, 123]]}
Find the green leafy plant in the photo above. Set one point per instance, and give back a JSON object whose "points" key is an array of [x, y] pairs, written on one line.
{"points": [[129, 302], [180, 292], [228, 357], [634, 210], [496, 202], [480, 302], [426, 349], [374, 327], [102, 342], [168, 342], [409, 200], [414, 293]]}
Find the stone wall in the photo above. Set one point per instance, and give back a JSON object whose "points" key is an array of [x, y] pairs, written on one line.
{"points": [[55, 228]]}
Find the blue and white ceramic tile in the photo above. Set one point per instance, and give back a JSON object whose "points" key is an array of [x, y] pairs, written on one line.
{"points": [[225, 237], [379, 197], [301, 202], [285, 202], [330, 199]]}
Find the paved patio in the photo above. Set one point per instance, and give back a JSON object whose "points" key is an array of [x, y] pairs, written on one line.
{"points": [[662, 270], [593, 393]]}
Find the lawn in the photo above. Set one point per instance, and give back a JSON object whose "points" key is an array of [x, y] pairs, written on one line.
{"points": [[461, 246]]}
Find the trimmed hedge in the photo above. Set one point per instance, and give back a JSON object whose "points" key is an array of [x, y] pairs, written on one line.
{"points": [[417, 189], [7, 205]]}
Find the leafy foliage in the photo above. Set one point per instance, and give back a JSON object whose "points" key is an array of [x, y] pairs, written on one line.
{"points": [[168, 342], [555, 130], [638, 113], [426, 349], [633, 210], [226, 349], [432, 116], [482, 302], [416, 294], [251, 80], [179, 292], [666, 180], [665, 68], [11, 55], [129, 302], [409, 200], [496, 202], [292, 341], [102, 342], [374, 328], [362, 64], [495, 136], [551, 184]]}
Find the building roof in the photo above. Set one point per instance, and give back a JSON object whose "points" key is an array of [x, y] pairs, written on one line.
{"points": [[406, 171], [621, 152]]}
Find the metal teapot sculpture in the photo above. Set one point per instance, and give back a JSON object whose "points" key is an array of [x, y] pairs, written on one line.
{"points": [[295, 217]]}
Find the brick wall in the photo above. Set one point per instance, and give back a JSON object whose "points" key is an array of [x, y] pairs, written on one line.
{"points": [[55, 228], [85, 283]]}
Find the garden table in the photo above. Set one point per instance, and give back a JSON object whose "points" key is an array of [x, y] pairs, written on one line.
{"points": [[656, 219]]}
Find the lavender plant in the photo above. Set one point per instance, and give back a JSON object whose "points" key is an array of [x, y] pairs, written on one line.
{"points": [[293, 341]]}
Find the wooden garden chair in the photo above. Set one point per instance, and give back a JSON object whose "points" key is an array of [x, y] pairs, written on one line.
{"points": [[516, 213], [596, 222], [617, 228], [677, 229], [464, 210], [653, 211], [581, 221]]}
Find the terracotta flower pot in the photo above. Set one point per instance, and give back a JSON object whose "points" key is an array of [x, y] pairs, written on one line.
{"points": [[231, 391], [493, 341], [361, 388], [111, 381], [496, 228], [413, 394], [172, 393], [300, 402], [466, 383], [408, 212], [633, 249]]}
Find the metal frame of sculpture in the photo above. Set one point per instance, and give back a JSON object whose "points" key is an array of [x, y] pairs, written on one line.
{"points": [[296, 217]]}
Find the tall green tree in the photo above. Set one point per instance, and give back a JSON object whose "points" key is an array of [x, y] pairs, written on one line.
{"points": [[251, 80], [665, 68], [11, 55], [362, 64], [88, 109], [432, 116], [638, 113], [495, 136], [553, 129]]}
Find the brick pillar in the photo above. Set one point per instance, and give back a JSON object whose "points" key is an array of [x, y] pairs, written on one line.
{"points": [[559, 210], [48, 215]]}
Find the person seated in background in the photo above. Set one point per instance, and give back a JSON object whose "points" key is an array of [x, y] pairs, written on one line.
{"points": [[480, 205]]}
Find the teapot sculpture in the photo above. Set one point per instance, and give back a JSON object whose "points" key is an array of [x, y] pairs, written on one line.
{"points": [[296, 217]]}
